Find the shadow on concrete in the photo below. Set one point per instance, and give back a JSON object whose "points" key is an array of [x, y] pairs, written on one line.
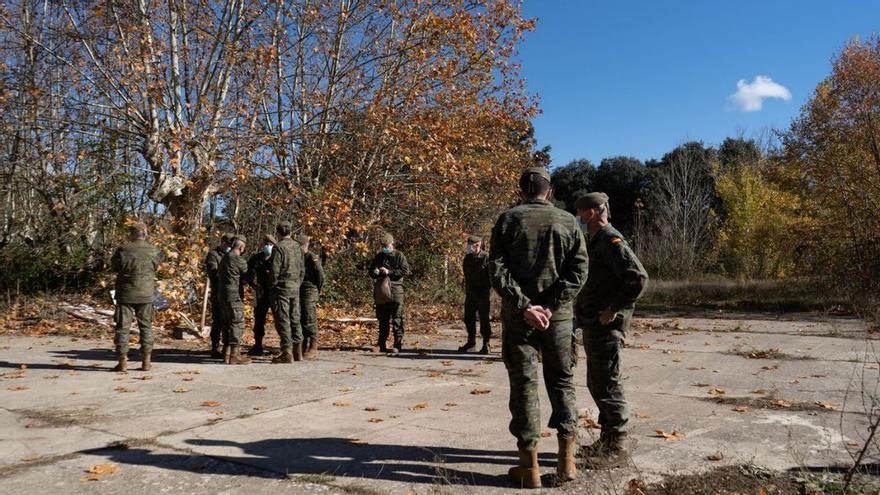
{"points": [[445, 354], [339, 457], [160, 355]]}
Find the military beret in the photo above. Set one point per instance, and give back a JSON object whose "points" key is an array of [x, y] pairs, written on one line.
{"points": [[541, 171], [270, 239], [387, 239], [284, 224], [591, 200], [303, 239], [473, 239]]}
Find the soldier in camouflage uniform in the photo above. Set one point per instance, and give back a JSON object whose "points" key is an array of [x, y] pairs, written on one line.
{"points": [[135, 264], [538, 263], [212, 265], [477, 287], [233, 274], [604, 310], [260, 275], [311, 287], [390, 263], [287, 275]]}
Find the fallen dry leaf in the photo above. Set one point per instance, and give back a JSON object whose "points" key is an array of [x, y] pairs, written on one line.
{"points": [[447, 363], [181, 390], [741, 409], [210, 403], [480, 391], [781, 404], [344, 390], [641, 415], [144, 378], [17, 388], [124, 390], [450, 404], [759, 391], [546, 434], [675, 436], [828, 405], [375, 420], [98, 471], [341, 403], [715, 457], [419, 406], [357, 441], [371, 409], [717, 391], [257, 387]]}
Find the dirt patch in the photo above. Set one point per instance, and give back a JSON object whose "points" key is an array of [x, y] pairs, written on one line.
{"points": [[722, 481], [768, 354], [59, 418], [770, 402]]}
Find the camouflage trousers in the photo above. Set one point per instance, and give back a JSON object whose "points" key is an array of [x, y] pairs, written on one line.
{"points": [[603, 378], [477, 306], [390, 316], [520, 345], [233, 318], [308, 298], [217, 324], [122, 318], [286, 310]]}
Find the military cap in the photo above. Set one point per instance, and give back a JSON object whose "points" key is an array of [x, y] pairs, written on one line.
{"points": [[473, 239], [239, 237], [387, 239], [137, 227], [270, 239], [303, 239], [591, 200], [284, 224], [540, 171]]}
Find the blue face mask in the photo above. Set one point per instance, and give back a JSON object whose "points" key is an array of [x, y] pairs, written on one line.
{"points": [[387, 250], [227, 249], [267, 250], [470, 248], [582, 225]]}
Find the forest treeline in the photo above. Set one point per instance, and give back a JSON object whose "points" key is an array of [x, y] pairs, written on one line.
{"points": [[354, 118]]}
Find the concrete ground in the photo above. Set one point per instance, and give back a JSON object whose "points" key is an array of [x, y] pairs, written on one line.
{"points": [[737, 388]]}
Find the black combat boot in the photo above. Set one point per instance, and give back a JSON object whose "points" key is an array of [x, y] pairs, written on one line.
{"points": [[486, 349], [468, 346], [398, 344], [216, 353]]}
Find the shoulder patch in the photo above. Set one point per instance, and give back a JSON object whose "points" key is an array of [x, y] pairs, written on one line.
{"points": [[616, 240]]}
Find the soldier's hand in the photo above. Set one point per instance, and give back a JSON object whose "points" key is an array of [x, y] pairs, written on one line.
{"points": [[536, 317], [607, 316], [383, 271]]}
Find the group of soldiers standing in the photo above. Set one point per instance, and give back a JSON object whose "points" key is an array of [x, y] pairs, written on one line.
{"points": [[287, 279], [554, 272]]}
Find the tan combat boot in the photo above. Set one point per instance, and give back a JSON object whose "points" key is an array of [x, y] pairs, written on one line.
{"points": [[312, 350], [285, 357], [146, 360], [527, 474], [226, 353], [122, 366], [613, 455], [565, 468], [297, 352], [235, 356]]}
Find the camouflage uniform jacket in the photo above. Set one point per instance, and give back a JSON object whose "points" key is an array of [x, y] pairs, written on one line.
{"points": [[135, 264], [288, 268], [538, 257], [233, 273], [314, 273]]}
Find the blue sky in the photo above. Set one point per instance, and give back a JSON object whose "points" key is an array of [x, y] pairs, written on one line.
{"points": [[638, 78]]}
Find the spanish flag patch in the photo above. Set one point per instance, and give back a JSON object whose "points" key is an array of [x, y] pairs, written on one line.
{"points": [[616, 240]]}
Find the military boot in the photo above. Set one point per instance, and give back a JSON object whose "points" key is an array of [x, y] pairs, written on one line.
{"points": [[565, 468], [257, 348], [146, 360], [312, 349], [613, 455], [216, 353], [486, 349], [226, 354], [594, 448], [398, 344], [527, 474], [468, 346], [285, 357], [297, 352], [235, 356], [122, 366]]}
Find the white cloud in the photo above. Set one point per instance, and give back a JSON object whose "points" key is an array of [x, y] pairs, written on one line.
{"points": [[749, 97]]}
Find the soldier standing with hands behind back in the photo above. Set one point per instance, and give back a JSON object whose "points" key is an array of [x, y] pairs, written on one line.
{"points": [[260, 274], [287, 276], [135, 264], [309, 292], [604, 310], [477, 287], [538, 263]]}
